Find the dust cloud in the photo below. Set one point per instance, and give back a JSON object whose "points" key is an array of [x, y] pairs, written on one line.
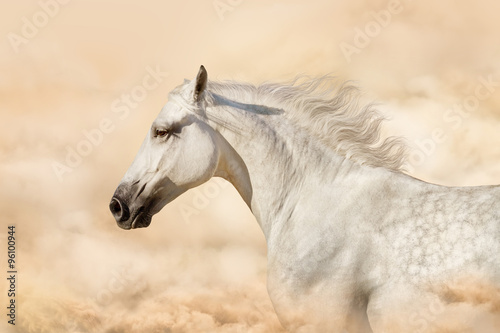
{"points": [[201, 266]]}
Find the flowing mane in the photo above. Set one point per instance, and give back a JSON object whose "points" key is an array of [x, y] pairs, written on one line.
{"points": [[329, 112]]}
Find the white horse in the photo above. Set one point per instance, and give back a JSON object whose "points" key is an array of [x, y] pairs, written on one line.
{"points": [[354, 244]]}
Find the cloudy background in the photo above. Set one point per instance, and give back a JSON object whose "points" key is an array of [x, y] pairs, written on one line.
{"points": [[201, 265]]}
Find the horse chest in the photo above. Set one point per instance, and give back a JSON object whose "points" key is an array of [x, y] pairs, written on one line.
{"points": [[315, 267]]}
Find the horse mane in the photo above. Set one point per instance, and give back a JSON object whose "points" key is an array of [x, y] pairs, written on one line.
{"points": [[330, 112]]}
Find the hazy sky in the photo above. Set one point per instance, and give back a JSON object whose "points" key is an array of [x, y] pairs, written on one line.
{"points": [[432, 67]]}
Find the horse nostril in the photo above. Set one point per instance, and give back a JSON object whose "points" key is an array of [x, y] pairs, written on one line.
{"points": [[119, 210], [115, 206]]}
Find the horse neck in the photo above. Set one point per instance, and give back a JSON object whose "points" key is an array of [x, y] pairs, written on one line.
{"points": [[270, 161]]}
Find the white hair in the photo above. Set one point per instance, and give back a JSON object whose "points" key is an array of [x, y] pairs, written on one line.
{"points": [[330, 112]]}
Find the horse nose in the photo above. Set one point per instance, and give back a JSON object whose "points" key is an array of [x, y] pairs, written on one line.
{"points": [[119, 209]]}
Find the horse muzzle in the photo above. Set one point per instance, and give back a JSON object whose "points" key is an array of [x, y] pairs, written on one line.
{"points": [[125, 217]]}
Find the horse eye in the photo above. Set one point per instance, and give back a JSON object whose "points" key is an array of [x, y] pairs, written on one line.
{"points": [[161, 132]]}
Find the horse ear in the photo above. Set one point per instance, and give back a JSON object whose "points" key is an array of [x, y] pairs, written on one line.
{"points": [[201, 83]]}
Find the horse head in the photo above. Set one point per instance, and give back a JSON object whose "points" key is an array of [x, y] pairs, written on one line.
{"points": [[179, 152]]}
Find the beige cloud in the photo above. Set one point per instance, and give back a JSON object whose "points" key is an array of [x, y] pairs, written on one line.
{"points": [[78, 271]]}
